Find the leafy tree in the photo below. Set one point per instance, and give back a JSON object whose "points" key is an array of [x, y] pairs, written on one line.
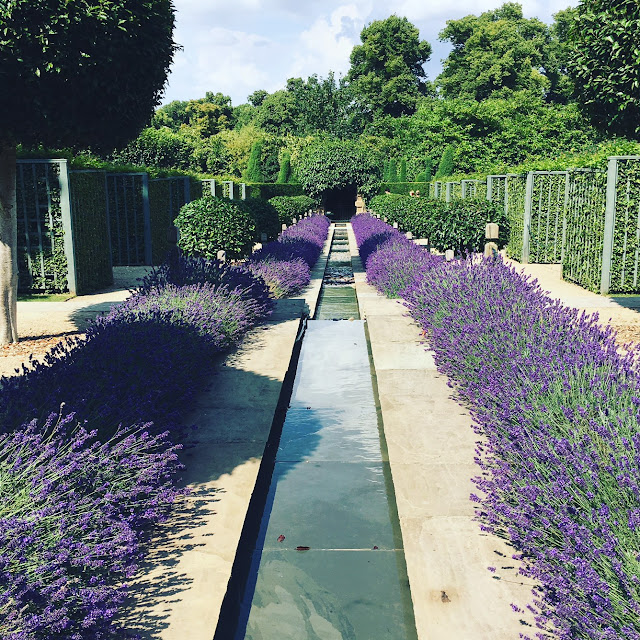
{"points": [[445, 167], [334, 164], [243, 115], [210, 115], [254, 167], [73, 73], [386, 69], [500, 49], [172, 115], [278, 113], [308, 106], [605, 63], [257, 97]]}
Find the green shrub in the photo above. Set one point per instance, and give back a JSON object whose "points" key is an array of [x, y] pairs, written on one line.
{"points": [[254, 166], [264, 216], [284, 175], [458, 225], [267, 190], [289, 207], [402, 171], [210, 224]]}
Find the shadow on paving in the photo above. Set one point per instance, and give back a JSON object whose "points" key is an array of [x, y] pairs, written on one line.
{"points": [[237, 420], [628, 302]]}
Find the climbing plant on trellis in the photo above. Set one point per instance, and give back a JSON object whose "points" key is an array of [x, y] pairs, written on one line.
{"points": [[585, 218], [42, 263], [626, 239], [547, 213], [516, 186]]}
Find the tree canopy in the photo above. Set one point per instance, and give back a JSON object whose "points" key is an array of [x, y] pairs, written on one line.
{"points": [[604, 58], [334, 164], [80, 73], [497, 50], [386, 69]]}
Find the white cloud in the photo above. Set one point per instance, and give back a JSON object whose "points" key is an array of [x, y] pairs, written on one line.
{"points": [[327, 44], [218, 59]]}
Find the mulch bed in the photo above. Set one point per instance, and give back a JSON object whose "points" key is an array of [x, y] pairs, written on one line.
{"points": [[33, 345]]}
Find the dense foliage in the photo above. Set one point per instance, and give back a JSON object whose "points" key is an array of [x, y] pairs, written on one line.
{"points": [[333, 164], [500, 50], [557, 406], [605, 62], [88, 45], [211, 224], [387, 68]]}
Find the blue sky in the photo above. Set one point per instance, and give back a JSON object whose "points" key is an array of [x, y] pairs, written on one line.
{"points": [[238, 46]]}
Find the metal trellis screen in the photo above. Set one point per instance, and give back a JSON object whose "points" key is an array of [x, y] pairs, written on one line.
{"points": [[585, 221], [44, 226], [129, 218], [515, 195], [546, 202], [469, 188], [625, 250]]}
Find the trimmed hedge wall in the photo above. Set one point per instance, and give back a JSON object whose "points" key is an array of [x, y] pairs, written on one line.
{"points": [[459, 224], [88, 190], [405, 187], [267, 190]]}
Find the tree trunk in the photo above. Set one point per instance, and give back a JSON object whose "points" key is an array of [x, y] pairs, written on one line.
{"points": [[8, 245]]}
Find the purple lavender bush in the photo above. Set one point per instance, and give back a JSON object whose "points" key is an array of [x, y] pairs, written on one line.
{"points": [[73, 516], [283, 277], [557, 405], [281, 263]]}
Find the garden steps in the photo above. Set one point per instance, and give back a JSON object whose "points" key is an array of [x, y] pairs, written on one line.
{"points": [[180, 588], [431, 448]]}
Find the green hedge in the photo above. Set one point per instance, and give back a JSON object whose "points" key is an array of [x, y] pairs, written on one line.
{"points": [[264, 216], [88, 191], [210, 224], [404, 188], [268, 190], [458, 225], [290, 207]]}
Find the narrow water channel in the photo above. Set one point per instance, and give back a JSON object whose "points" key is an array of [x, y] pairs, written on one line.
{"points": [[328, 563]]}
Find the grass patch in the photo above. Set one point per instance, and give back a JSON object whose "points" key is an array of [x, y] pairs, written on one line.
{"points": [[44, 297]]}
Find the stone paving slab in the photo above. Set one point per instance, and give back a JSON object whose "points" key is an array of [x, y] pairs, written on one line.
{"points": [[431, 447]]}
